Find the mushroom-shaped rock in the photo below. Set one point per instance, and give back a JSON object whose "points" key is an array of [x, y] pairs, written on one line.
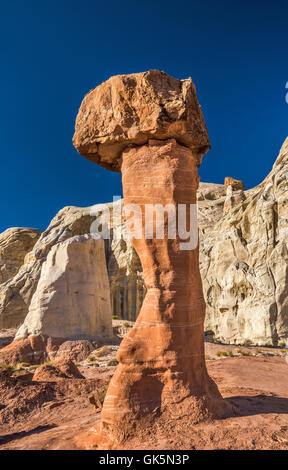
{"points": [[131, 109], [237, 185], [161, 382]]}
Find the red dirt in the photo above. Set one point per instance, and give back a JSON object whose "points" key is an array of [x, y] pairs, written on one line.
{"points": [[63, 368], [52, 415], [40, 348]]}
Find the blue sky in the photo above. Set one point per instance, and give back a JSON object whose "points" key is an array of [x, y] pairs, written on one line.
{"points": [[52, 53]]}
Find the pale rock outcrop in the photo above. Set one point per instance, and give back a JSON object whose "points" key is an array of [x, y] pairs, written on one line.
{"points": [[72, 299], [210, 201], [244, 263], [17, 292], [233, 198], [126, 281], [123, 265], [15, 243]]}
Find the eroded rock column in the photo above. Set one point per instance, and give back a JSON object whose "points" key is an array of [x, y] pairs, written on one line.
{"points": [[162, 374]]}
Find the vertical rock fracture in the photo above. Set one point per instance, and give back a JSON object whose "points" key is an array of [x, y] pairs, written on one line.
{"points": [[150, 127]]}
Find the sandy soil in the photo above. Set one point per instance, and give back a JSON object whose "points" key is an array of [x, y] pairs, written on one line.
{"points": [[50, 415]]}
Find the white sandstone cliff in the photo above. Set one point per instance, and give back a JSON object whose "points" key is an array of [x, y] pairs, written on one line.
{"points": [[72, 299]]}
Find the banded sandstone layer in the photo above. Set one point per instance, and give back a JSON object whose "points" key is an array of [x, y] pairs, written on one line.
{"points": [[162, 376]]}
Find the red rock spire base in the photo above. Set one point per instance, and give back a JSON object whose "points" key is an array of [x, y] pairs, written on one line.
{"points": [[161, 385]]}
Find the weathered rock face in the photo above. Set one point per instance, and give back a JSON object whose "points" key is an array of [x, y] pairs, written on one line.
{"points": [[131, 109], [244, 263], [123, 265], [72, 299], [16, 293], [210, 203], [126, 281], [15, 243]]}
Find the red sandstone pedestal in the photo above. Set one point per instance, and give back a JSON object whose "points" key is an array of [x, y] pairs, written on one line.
{"points": [[161, 379]]}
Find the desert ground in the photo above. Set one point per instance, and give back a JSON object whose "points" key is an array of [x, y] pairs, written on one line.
{"points": [[49, 412]]}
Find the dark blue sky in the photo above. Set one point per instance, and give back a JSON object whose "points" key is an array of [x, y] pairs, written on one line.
{"points": [[53, 53]]}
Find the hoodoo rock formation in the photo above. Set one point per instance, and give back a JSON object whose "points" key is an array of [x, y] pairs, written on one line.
{"points": [[150, 126], [131, 109], [236, 184]]}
